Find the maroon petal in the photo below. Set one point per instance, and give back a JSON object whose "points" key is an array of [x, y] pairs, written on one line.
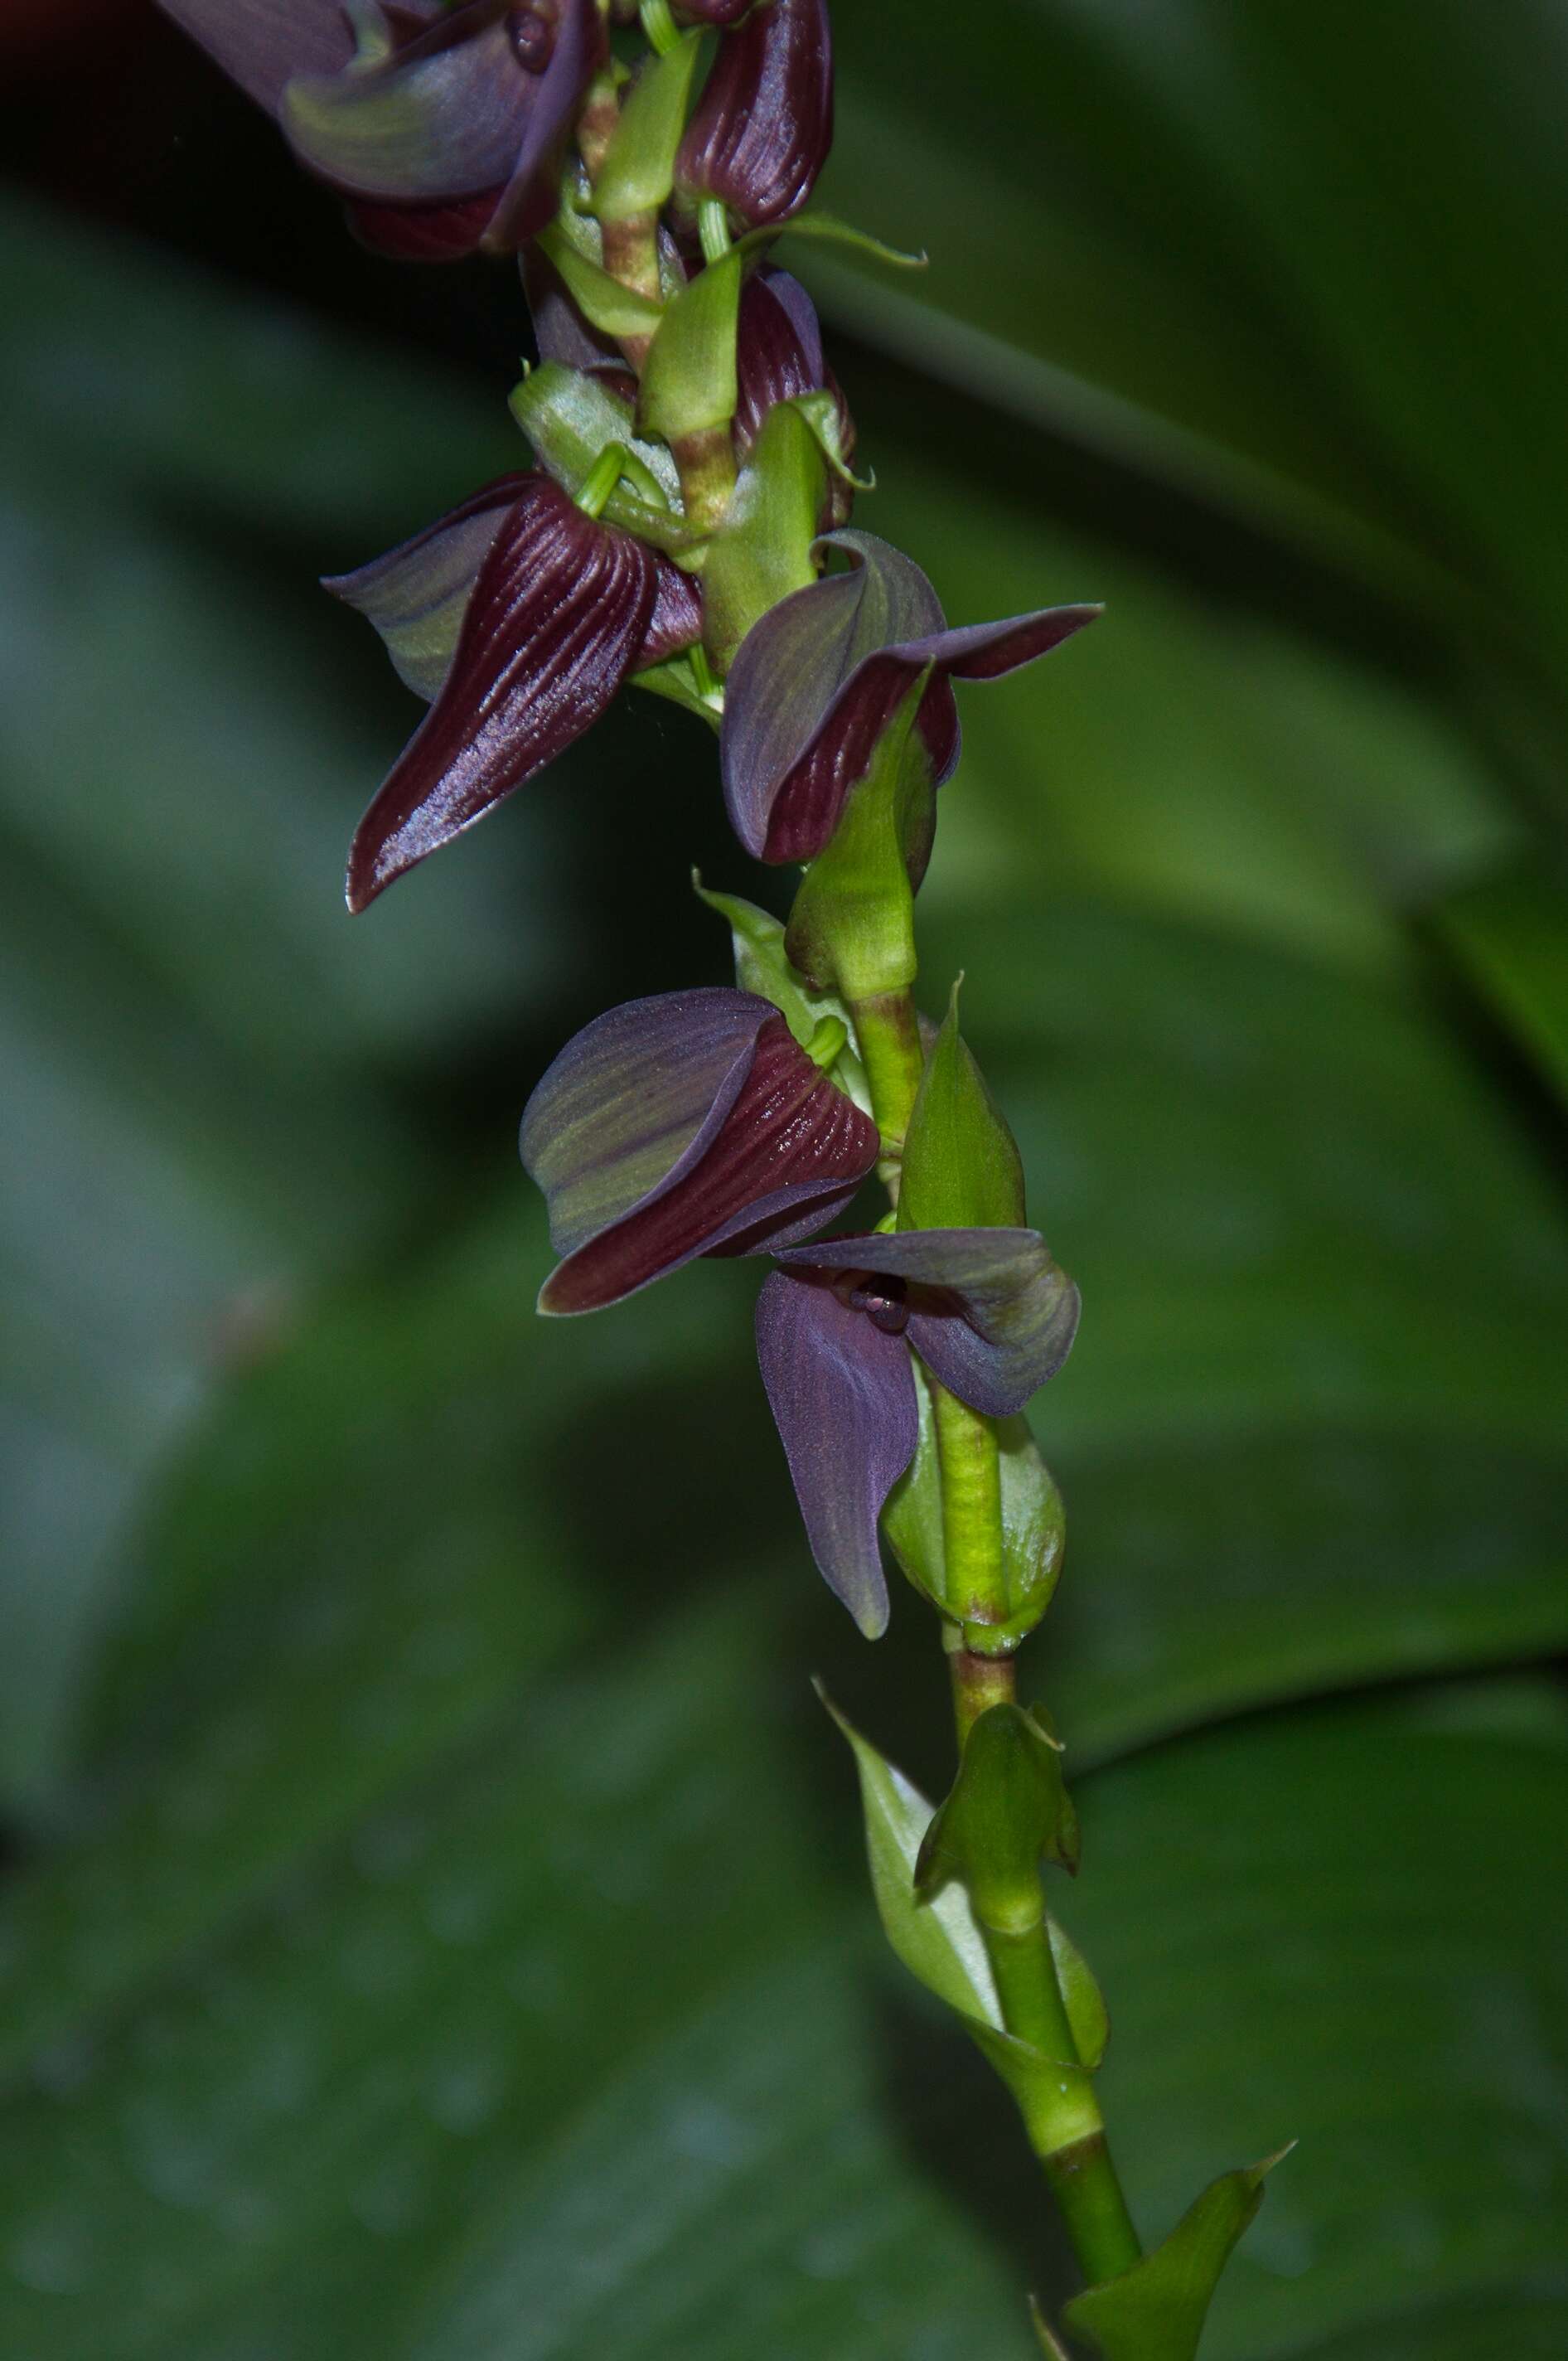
{"points": [[991, 1315], [789, 1146], [764, 123], [677, 619], [559, 610], [262, 44], [819, 679], [423, 233], [418, 594], [843, 1394], [778, 350]]}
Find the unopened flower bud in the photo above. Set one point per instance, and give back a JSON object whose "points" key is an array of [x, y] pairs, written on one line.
{"points": [[764, 123]]}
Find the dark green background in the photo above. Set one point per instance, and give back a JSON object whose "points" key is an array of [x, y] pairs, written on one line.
{"points": [[435, 1922]]}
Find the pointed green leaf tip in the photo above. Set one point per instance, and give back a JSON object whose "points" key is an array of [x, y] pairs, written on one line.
{"points": [[1008, 1810], [962, 1166], [688, 377], [1050, 2342], [1156, 2311], [939, 1942]]}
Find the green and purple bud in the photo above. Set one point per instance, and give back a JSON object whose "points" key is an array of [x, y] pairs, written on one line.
{"points": [[689, 1124], [764, 123], [518, 617], [823, 675]]}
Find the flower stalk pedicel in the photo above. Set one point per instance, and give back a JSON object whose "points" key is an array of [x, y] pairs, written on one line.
{"points": [[684, 528]]}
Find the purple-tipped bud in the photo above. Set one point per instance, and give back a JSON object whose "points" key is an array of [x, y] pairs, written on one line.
{"points": [[764, 122], [820, 678], [685, 1124], [778, 357], [520, 617]]}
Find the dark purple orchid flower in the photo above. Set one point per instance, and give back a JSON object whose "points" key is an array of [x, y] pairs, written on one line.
{"points": [[689, 1124], [822, 674], [445, 128], [519, 617], [764, 123], [990, 1316]]}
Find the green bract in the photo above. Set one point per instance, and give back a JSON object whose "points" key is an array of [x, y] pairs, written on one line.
{"points": [[1156, 2311], [961, 1165], [1034, 1524], [689, 376]]}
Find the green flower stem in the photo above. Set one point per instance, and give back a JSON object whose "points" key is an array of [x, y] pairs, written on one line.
{"points": [[970, 1466], [713, 228], [978, 1681], [888, 1032], [705, 462], [1066, 2128]]}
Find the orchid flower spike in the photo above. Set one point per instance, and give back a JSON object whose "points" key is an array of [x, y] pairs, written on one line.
{"points": [[990, 1316], [689, 1124]]}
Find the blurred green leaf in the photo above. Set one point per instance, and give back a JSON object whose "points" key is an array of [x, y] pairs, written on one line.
{"points": [[411, 2102], [1510, 935]]}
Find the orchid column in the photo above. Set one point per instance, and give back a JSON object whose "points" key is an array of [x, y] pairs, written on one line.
{"points": [[684, 528]]}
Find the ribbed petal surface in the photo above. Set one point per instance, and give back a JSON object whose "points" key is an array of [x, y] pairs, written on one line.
{"points": [[764, 123], [560, 608], [991, 1315], [820, 677], [778, 350], [633, 1101], [677, 619], [262, 44], [788, 1149], [843, 1394], [417, 595]]}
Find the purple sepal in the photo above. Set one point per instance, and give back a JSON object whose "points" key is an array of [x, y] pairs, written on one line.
{"points": [[262, 44], [466, 108], [417, 595], [764, 123], [675, 1126], [819, 679], [423, 233], [843, 1394], [989, 1312], [676, 620], [558, 613]]}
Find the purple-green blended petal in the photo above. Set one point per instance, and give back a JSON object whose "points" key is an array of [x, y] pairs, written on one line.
{"points": [[819, 679], [633, 1101], [530, 198], [262, 44], [843, 1394], [417, 595], [991, 1313], [786, 1153], [444, 116]]}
